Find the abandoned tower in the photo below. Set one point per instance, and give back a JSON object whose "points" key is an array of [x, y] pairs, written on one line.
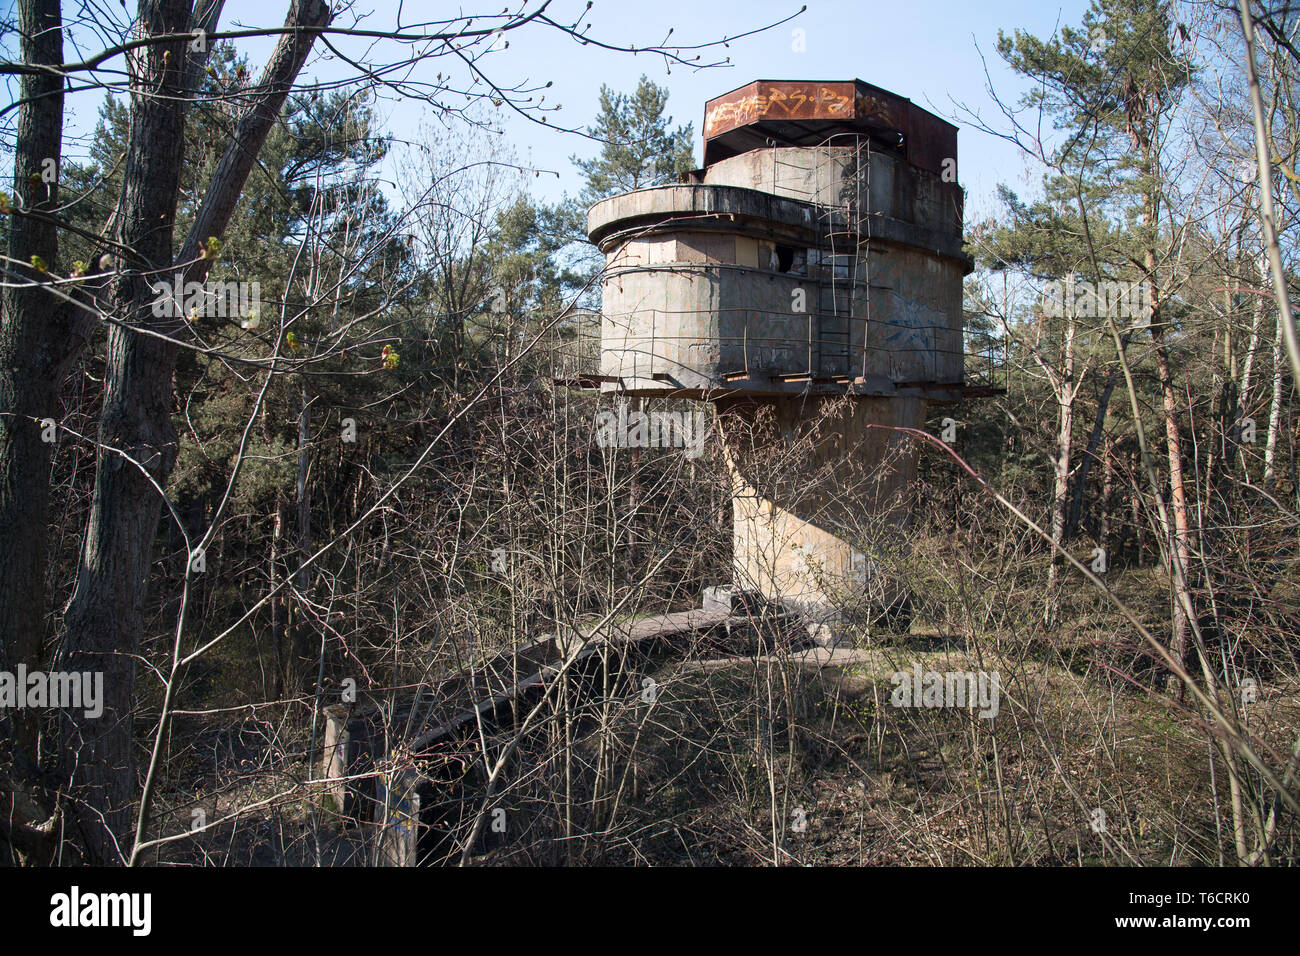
{"points": [[808, 283]]}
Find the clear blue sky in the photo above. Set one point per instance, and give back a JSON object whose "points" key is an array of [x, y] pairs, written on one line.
{"points": [[928, 50], [922, 49]]}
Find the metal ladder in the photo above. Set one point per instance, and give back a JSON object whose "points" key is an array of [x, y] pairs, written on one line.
{"points": [[834, 325]]}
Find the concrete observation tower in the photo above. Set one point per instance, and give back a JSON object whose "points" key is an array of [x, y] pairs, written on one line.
{"points": [[808, 281]]}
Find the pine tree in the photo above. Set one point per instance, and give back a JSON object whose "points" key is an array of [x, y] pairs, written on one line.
{"points": [[638, 148]]}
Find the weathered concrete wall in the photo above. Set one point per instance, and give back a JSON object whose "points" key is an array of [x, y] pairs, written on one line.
{"points": [[752, 284], [847, 181]]}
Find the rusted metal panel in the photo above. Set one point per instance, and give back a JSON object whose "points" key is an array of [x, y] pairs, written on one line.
{"points": [[802, 112], [873, 105], [930, 141], [779, 100]]}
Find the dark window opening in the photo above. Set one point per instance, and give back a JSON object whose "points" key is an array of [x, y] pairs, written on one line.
{"points": [[784, 258]]}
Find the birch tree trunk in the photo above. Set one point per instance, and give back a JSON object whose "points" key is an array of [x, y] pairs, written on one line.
{"points": [[1065, 391], [1275, 406]]}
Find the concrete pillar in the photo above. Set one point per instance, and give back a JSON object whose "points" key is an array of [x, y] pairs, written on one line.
{"points": [[821, 501], [397, 812], [334, 760]]}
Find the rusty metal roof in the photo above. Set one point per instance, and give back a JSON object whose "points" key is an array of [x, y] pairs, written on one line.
{"points": [[810, 112]]}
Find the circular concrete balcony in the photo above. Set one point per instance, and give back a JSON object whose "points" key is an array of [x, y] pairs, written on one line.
{"points": [[714, 289]]}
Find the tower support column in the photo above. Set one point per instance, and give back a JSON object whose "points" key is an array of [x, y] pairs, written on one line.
{"points": [[821, 502]]}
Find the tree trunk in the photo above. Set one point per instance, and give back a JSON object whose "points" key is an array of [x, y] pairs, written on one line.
{"points": [[1135, 508], [1180, 550], [277, 602], [37, 345], [1065, 392], [1090, 453], [1244, 390], [1107, 495], [302, 651], [1275, 407], [105, 615], [138, 446]]}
